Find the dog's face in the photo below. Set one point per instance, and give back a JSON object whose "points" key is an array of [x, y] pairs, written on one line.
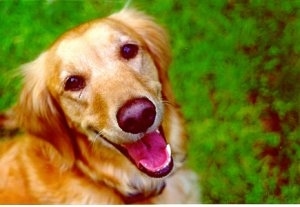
{"points": [[107, 85], [107, 80]]}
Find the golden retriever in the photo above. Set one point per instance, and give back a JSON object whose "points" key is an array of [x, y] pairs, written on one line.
{"points": [[99, 120]]}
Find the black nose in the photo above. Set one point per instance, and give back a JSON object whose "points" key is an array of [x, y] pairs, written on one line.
{"points": [[136, 115]]}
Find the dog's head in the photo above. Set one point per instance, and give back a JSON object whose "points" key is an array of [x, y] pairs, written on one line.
{"points": [[107, 80]]}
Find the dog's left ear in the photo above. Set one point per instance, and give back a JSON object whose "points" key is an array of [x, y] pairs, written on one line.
{"points": [[156, 40], [39, 114]]}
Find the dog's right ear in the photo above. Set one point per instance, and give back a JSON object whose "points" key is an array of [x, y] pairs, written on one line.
{"points": [[38, 113]]}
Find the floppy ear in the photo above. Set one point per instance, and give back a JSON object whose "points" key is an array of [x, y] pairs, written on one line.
{"points": [[156, 40], [39, 114]]}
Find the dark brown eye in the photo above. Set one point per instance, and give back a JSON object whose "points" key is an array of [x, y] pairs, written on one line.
{"points": [[129, 51], [74, 83]]}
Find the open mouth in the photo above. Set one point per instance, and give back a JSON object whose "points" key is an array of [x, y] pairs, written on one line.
{"points": [[151, 154]]}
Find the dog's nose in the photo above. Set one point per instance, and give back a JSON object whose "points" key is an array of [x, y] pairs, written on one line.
{"points": [[136, 115]]}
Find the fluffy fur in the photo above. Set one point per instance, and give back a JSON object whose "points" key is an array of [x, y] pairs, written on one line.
{"points": [[58, 158]]}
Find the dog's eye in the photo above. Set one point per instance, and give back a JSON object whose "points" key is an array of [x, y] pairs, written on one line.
{"points": [[74, 83], [129, 51]]}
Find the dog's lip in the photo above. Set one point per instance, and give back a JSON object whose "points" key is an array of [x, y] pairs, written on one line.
{"points": [[151, 153]]}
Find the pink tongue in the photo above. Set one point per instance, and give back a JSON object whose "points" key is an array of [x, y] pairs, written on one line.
{"points": [[150, 151]]}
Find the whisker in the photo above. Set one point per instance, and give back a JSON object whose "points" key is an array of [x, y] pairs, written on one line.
{"points": [[98, 135], [166, 102]]}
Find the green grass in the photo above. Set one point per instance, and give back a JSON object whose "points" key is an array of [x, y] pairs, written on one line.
{"points": [[235, 72]]}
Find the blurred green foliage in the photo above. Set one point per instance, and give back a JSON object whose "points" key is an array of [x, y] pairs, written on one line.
{"points": [[235, 72]]}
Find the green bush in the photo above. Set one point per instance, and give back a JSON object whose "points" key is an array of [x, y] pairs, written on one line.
{"points": [[235, 72]]}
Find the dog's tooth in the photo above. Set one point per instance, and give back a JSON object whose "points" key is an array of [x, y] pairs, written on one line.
{"points": [[157, 131], [168, 148]]}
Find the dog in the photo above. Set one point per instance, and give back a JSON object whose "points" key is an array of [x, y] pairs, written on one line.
{"points": [[99, 122]]}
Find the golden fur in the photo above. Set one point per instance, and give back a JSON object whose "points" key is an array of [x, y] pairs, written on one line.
{"points": [[58, 159]]}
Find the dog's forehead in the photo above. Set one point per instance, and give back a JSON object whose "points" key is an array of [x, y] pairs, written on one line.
{"points": [[97, 38]]}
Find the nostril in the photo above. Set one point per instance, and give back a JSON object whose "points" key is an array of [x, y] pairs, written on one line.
{"points": [[136, 115]]}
